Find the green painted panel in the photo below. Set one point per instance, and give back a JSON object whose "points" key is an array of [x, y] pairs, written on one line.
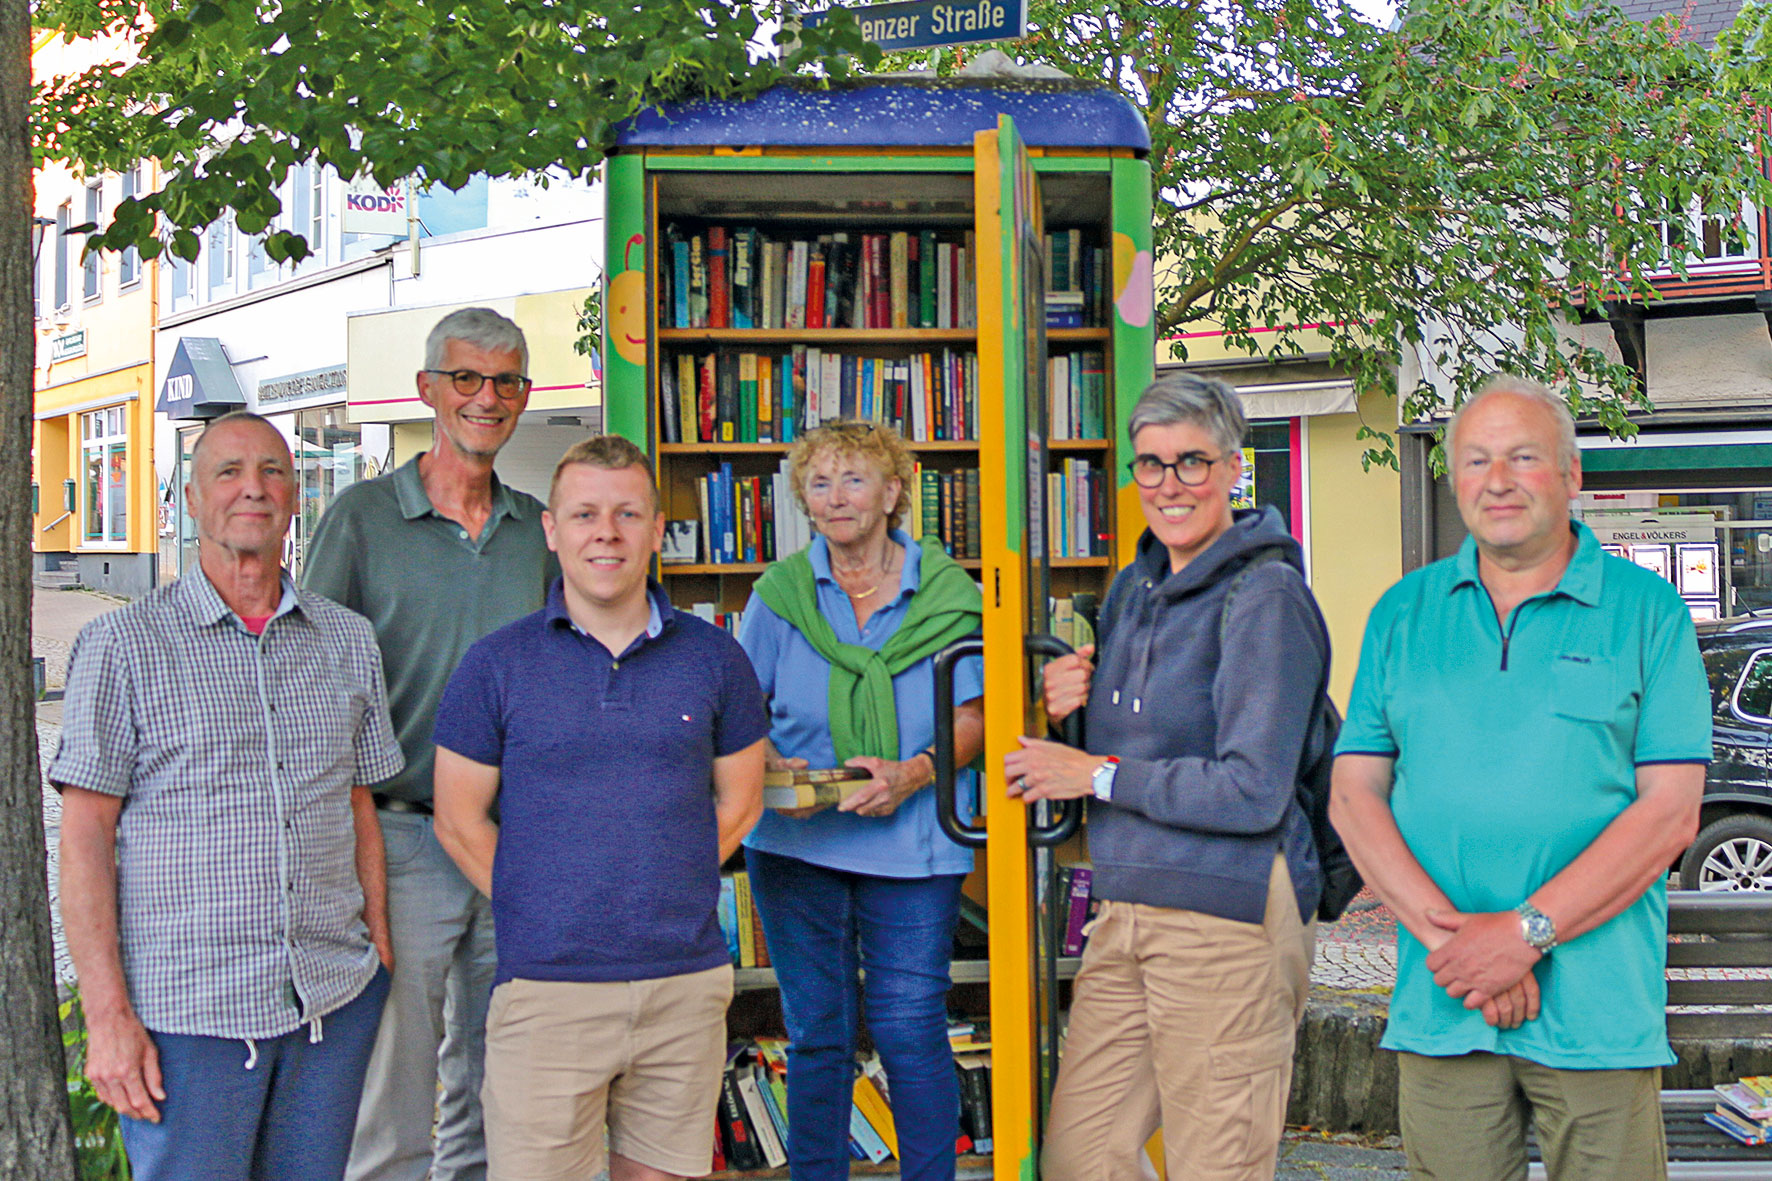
{"points": [[1073, 163], [627, 299], [1657, 459], [1135, 329]]}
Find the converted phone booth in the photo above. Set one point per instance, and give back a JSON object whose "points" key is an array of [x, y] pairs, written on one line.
{"points": [[967, 260]]}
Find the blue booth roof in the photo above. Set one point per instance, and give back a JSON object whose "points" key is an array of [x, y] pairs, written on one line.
{"points": [[896, 113]]}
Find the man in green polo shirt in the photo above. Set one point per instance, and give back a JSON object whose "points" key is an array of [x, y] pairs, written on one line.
{"points": [[1522, 760], [437, 553]]}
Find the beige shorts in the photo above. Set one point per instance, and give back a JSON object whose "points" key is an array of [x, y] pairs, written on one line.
{"points": [[565, 1060]]}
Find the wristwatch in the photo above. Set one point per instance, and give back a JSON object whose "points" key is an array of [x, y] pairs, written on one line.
{"points": [[1536, 928], [1101, 780]]}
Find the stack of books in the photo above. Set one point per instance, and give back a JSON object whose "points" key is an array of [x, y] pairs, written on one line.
{"points": [[738, 277], [1745, 1110], [811, 787], [1078, 280]]}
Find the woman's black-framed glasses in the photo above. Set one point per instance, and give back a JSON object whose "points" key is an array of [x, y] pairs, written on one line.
{"points": [[1192, 469], [467, 382]]}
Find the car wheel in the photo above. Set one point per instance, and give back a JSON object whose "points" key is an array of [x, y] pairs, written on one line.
{"points": [[1734, 853]]}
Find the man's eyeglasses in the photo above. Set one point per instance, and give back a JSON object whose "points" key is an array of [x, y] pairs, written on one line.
{"points": [[467, 382], [1192, 469]]}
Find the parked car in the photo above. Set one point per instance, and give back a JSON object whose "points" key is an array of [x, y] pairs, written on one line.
{"points": [[1734, 846]]}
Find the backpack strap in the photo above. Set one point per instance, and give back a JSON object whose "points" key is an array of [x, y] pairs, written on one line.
{"points": [[1261, 557]]}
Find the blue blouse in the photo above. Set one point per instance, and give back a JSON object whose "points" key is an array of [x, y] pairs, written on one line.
{"points": [[796, 680]]}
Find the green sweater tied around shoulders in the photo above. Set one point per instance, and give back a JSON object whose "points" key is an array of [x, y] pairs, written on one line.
{"points": [[947, 606]]}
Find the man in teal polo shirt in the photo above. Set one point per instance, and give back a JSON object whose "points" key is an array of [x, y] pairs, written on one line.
{"points": [[1522, 760]]}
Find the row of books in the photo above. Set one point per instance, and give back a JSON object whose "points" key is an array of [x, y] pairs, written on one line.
{"points": [[1745, 1110], [1076, 392], [752, 397], [757, 519], [740, 923], [753, 1113], [1077, 517], [741, 277]]}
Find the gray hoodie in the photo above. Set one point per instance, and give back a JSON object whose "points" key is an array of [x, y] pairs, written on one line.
{"points": [[1209, 741]]}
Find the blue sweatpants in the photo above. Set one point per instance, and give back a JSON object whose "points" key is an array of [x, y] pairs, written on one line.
{"points": [[286, 1118]]}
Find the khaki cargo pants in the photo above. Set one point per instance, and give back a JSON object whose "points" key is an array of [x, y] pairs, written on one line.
{"points": [[1185, 1021]]}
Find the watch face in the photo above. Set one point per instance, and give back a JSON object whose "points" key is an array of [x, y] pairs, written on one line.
{"points": [[1538, 930]]}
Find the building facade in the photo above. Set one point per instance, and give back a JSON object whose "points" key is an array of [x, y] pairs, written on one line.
{"points": [[97, 502]]}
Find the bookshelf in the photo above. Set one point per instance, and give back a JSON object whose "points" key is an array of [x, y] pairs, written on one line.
{"points": [[922, 325]]}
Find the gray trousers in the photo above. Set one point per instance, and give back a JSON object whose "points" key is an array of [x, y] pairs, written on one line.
{"points": [[433, 1030]]}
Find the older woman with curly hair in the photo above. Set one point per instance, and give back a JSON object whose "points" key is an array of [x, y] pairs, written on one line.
{"points": [[843, 636]]}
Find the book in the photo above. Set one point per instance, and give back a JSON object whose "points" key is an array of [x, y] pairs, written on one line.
{"points": [[975, 1098], [1076, 910], [774, 1156], [747, 931], [865, 1137], [1726, 1121], [872, 1105], [719, 290], [682, 543], [742, 1151], [811, 787], [1750, 1103]]}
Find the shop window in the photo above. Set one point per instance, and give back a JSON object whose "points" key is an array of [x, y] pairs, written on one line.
{"points": [[1267, 468], [104, 455], [90, 268], [331, 455]]}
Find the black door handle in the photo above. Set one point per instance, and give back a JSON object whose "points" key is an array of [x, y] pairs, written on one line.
{"points": [[947, 809], [1068, 814]]}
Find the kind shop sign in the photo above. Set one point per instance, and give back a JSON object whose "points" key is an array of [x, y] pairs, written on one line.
{"points": [[371, 209], [923, 24]]}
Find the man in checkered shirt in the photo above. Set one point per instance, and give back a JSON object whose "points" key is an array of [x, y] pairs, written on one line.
{"points": [[223, 879]]}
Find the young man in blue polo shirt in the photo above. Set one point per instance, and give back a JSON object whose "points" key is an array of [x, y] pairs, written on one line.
{"points": [[623, 745], [1522, 760]]}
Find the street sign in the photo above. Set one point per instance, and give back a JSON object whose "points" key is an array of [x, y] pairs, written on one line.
{"points": [[922, 24]]}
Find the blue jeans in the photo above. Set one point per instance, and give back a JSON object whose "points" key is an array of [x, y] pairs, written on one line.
{"points": [[286, 1117], [429, 1061], [822, 926]]}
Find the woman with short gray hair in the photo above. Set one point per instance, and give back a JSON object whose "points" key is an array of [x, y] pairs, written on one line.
{"points": [[1197, 713]]}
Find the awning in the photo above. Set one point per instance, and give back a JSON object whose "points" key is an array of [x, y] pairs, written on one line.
{"points": [[200, 382], [1297, 399], [1675, 451]]}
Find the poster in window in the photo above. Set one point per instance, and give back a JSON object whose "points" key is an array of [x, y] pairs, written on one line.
{"points": [[1698, 569], [1703, 609], [1243, 495], [1652, 557], [1617, 551]]}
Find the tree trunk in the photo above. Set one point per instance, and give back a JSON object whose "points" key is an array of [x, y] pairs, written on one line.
{"points": [[36, 1141]]}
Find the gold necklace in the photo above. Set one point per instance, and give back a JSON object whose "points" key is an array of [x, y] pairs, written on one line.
{"points": [[885, 570]]}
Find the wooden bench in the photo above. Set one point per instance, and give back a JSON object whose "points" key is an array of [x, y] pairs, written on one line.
{"points": [[1719, 987]]}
